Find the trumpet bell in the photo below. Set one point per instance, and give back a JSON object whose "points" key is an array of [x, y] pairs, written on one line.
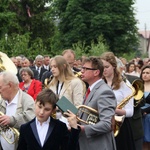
{"points": [[118, 123], [139, 91]]}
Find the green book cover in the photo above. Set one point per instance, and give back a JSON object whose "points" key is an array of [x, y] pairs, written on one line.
{"points": [[64, 104]]}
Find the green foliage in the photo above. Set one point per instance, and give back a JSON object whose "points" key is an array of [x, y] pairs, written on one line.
{"points": [[129, 56], [27, 34], [15, 45], [86, 20], [66, 24], [93, 50]]}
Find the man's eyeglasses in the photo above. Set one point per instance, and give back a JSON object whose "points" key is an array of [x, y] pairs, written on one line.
{"points": [[86, 68]]}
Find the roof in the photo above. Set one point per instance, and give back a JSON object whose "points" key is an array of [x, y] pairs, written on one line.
{"points": [[145, 34]]}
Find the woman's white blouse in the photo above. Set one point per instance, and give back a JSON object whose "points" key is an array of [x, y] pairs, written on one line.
{"points": [[122, 94]]}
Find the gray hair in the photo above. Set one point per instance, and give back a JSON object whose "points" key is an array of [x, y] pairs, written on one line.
{"points": [[28, 70], [9, 77], [39, 57]]}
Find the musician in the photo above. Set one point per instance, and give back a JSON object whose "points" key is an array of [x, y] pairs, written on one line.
{"points": [[113, 78], [17, 106], [64, 83], [136, 119], [69, 56], [98, 136], [44, 132]]}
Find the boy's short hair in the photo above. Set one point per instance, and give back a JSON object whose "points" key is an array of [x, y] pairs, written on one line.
{"points": [[47, 96]]}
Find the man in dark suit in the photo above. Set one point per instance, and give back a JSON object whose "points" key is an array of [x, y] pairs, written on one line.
{"points": [[44, 132], [97, 136], [46, 62], [39, 65]]}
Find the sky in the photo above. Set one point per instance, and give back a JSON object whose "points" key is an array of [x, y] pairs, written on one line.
{"points": [[142, 10]]}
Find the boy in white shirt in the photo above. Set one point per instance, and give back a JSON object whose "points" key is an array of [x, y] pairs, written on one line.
{"points": [[45, 132]]}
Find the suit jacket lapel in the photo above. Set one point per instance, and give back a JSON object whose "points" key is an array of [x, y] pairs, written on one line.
{"points": [[64, 88], [34, 129], [91, 94], [50, 129], [89, 98]]}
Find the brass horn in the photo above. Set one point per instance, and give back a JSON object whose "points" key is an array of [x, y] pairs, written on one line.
{"points": [[11, 135], [6, 63], [137, 88], [92, 114], [78, 74], [47, 81]]}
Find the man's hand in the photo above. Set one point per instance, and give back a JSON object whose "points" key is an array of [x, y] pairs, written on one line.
{"points": [[4, 120], [72, 120]]}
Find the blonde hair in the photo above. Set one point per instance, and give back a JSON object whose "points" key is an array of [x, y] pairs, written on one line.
{"points": [[64, 68]]}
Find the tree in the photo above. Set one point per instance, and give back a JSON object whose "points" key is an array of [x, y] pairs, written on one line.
{"points": [[7, 19], [86, 20], [19, 18]]}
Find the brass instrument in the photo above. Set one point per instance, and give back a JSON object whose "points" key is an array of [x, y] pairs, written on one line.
{"points": [[137, 88], [47, 81], [92, 114], [93, 117], [11, 135], [7, 64], [138, 84], [78, 74]]}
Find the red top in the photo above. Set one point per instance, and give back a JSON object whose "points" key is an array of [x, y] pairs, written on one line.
{"points": [[34, 88]]}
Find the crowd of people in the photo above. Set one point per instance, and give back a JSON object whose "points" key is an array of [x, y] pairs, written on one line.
{"points": [[117, 89]]}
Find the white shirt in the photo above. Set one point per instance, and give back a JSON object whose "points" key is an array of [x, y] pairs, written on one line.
{"points": [[122, 93], [12, 106], [42, 129], [46, 67], [38, 69]]}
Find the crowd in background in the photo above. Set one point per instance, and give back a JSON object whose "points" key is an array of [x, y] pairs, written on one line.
{"points": [[45, 72]]}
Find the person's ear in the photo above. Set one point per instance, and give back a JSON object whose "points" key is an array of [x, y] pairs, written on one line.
{"points": [[97, 72]]}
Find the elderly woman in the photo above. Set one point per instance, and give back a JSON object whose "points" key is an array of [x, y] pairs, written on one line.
{"points": [[29, 84]]}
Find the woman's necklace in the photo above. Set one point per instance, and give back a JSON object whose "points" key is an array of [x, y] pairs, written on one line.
{"points": [[26, 86]]}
